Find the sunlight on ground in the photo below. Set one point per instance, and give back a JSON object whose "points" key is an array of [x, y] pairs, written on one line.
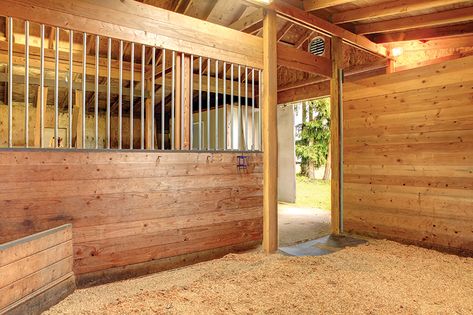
{"points": [[312, 193]]}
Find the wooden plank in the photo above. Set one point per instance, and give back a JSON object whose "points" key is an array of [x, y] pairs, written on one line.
{"points": [[27, 246], [312, 5], [426, 20], [424, 34], [337, 62], [178, 103], [77, 119], [144, 24], [387, 9], [270, 145], [311, 21], [297, 59], [37, 129], [188, 111]]}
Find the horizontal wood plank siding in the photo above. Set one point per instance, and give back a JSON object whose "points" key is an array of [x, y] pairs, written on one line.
{"points": [[408, 164], [132, 207], [34, 264]]}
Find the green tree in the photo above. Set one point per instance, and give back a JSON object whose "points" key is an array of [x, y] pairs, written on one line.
{"points": [[314, 136]]}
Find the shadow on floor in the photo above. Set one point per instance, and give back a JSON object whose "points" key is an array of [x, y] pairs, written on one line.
{"points": [[322, 246]]}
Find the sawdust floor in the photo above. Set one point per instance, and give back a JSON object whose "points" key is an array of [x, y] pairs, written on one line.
{"points": [[380, 277]]}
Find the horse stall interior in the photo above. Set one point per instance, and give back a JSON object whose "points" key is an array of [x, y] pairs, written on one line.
{"points": [[141, 136]]}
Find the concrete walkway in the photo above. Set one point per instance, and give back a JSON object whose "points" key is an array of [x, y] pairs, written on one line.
{"points": [[301, 224]]}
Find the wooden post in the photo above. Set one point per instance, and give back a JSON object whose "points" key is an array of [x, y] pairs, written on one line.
{"points": [[270, 135], [37, 129], [77, 121], [337, 60]]}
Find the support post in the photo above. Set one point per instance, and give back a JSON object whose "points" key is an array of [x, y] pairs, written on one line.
{"points": [[337, 60], [270, 144], [178, 107], [37, 129], [77, 117]]}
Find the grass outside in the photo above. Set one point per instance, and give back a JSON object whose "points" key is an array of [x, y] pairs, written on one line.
{"points": [[313, 193]]}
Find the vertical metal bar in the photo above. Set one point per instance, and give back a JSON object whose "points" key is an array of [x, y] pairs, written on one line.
{"points": [[191, 100], [231, 106], [27, 79], [96, 107], [240, 116], [216, 104], [10, 81], [182, 100], [120, 96], [340, 118], [56, 88], [208, 104], [200, 103], [260, 95], [109, 66], [224, 106], [41, 87], [132, 96], [143, 58], [153, 87], [172, 97], [71, 47], [84, 80], [253, 129], [163, 95], [246, 109]]}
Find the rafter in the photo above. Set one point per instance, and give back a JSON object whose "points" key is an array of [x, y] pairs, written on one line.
{"points": [[322, 26], [284, 30], [312, 5], [424, 34], [249, 22], [432, 19], [388, 9]]}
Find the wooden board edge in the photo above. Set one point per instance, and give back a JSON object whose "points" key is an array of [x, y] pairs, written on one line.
{"points": [[163, 264], [35, 236]]}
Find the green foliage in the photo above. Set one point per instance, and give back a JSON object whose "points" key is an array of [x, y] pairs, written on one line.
{"points": [[314, 134]]}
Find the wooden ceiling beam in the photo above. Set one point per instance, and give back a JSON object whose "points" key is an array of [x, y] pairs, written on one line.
{"points": [[284, 30], [388, 9], [324, 27], [312, 5], [249, 21], [412, 22], [425, 34], [301, 60]]}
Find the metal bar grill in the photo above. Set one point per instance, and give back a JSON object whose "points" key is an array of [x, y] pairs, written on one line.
{"points": [[27, 80]]}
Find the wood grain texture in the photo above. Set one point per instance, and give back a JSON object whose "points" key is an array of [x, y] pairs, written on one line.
{"points": [[132, 207], [408, 142], [33, 265]]}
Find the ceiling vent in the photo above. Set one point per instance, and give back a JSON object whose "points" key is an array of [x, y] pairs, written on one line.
{"points": [[317, 46]]}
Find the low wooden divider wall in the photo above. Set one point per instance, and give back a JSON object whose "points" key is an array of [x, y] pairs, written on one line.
{"points": [[36, 271], [408, 150], [133, 212]]}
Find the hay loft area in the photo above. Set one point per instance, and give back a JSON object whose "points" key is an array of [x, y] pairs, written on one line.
{"points": [[139, 156]]}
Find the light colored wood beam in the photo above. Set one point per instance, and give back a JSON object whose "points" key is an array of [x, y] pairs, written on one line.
{"points": [[413, 22], [312, 5], [322, 26], [248, 22], [37, 129], [335, 104], [301, 60], [423, 34], [77, 121], [284, 30], [270, 134], [388, 9], [143, 24]]}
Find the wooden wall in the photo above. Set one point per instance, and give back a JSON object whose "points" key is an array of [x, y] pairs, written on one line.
{"points": [[33, 265], [132, 207], [408, 141]]}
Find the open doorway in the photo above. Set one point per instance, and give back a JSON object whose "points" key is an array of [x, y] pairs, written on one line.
{"points": [[304, 171]]}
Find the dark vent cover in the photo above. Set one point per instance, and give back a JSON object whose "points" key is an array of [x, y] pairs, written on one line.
{"points": [[317, 46]]}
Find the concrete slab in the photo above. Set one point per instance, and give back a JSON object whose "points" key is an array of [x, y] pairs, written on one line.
{"points": [[322, 246]]}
